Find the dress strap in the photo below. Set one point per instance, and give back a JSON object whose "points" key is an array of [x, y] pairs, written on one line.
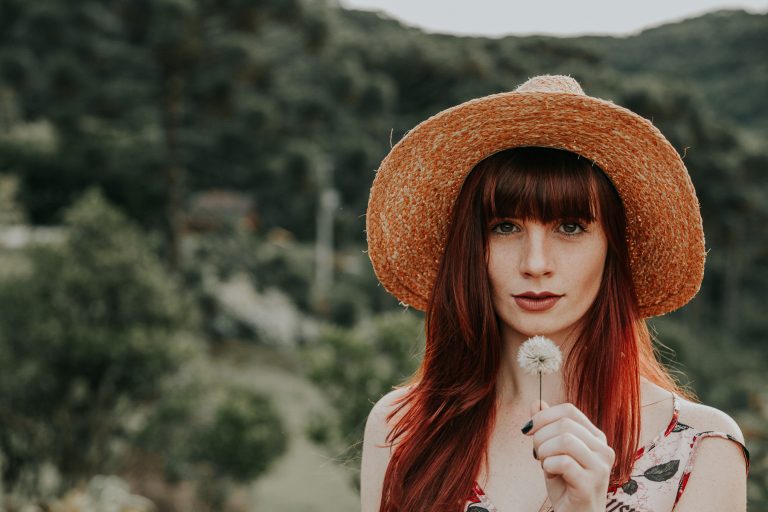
{"points": [[691, 459]]}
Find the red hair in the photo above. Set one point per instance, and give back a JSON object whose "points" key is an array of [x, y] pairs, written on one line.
{"points": [[449, 412]]}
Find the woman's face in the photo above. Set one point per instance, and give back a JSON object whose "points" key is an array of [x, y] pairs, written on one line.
{"points": [[564, 259]]}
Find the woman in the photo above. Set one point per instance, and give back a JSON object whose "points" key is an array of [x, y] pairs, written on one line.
{"points": [[542, 211]]}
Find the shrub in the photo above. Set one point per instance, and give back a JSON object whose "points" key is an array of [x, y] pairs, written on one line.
{"points": [[85, 338]]}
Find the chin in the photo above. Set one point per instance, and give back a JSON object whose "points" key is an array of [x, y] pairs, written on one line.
{"points": [[533, 330], [530, 329]]}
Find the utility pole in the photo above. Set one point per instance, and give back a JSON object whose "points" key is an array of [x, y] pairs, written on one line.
{"points": [[328, 201]]}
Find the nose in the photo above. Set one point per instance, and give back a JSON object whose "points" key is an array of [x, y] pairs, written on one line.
{"points": [[536, 258]]}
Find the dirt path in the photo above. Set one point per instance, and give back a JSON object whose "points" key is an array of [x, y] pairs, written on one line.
{"points": [[305, 479]]}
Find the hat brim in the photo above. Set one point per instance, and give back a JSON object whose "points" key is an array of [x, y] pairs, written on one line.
{"points": [[417, 183]]}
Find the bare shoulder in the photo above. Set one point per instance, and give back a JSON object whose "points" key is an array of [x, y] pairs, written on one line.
{"points": [[705, 418], [718, 480], [376, 450], [385, 405]]}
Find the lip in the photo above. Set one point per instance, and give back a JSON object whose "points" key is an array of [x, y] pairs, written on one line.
{"points": [[540, 295], [533, 304]]}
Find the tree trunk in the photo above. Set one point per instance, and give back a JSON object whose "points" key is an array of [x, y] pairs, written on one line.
{"points": [[174, 170]]}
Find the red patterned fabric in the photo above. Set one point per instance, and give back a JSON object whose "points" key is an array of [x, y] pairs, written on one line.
{"points": [[659, 476]]}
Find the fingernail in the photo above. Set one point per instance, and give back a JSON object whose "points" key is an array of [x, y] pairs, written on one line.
{"points": [[534, 454], [528, 426]]}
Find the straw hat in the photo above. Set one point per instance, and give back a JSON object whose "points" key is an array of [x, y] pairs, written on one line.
{"points": [[413, 193]]}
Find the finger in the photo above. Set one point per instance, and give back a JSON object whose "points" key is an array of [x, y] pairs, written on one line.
{"points": [[555, 412], [568, 444], [535, 407], [568, 426], [569, 470]]}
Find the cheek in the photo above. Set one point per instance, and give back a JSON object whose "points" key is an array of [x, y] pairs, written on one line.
{"points": [[593, 264], [496, 269], [493, 277]]}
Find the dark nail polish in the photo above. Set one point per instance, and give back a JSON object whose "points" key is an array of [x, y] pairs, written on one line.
{"points": [[534, 454], [528, 426]]}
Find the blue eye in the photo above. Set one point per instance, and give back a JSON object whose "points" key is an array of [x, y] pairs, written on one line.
{"points": [[572, 228], [565, 228], [504, 228]]}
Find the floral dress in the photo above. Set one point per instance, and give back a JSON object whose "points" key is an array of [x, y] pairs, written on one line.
{"points": [[659, 476]]}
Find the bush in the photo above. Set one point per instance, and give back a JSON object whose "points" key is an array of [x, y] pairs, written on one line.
{"points": [[244, 438], [85, 338], [354, 368], [214, 435]]}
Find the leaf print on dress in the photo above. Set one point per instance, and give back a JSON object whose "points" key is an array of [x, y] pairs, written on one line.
{"points": [[662, 472], [657, 473], [630, 487]]}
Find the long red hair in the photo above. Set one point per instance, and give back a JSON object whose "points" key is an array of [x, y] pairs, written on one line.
{"points": [[445, 419]]}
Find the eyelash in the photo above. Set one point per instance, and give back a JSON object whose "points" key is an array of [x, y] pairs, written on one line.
{"points": [[578, 224]]}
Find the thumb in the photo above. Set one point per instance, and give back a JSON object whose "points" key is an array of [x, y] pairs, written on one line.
{"points": [[535, 406]]}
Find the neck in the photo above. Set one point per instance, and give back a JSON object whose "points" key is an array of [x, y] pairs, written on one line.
{"points": [[516, 388]]}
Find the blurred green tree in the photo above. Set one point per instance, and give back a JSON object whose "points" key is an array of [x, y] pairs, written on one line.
{"points": [[214, 441], [140, 92], [244, 438], [86, 337], [11, 211]]}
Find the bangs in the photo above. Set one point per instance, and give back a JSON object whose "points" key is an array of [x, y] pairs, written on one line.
{"points": [[540, 184]]}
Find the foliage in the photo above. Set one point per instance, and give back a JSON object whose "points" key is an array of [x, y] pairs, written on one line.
{"points": [[356, 365], [140, 92], [213, 434], [713, 56], [85, 338], [244, 438], [10, 211]]}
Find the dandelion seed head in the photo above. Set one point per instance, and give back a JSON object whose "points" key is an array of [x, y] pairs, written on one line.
{"points": [[539, 354]]}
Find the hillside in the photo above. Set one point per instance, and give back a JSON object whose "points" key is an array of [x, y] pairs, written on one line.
{"points": [[723, 56]]}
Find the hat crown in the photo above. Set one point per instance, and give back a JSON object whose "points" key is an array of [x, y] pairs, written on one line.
{"points": [[551, 83]]}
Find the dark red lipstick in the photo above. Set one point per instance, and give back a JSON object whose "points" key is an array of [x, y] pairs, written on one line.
{"points": [[533, 301]]}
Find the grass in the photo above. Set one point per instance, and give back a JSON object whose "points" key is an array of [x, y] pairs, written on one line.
{"points": [[306, 478]]}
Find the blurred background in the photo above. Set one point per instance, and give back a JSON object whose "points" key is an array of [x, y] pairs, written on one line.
{"points": [[188, 317]]}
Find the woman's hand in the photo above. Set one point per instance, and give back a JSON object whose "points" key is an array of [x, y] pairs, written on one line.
{"points": [[574, 455]]}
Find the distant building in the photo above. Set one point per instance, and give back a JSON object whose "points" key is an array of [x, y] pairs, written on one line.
{"points": [[220, 210]]}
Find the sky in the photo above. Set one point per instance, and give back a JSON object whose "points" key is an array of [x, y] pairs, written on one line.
{"points": [[564, 18]]}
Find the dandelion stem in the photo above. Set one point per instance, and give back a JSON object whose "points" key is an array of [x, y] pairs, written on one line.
{"points": [[539, 391]]}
